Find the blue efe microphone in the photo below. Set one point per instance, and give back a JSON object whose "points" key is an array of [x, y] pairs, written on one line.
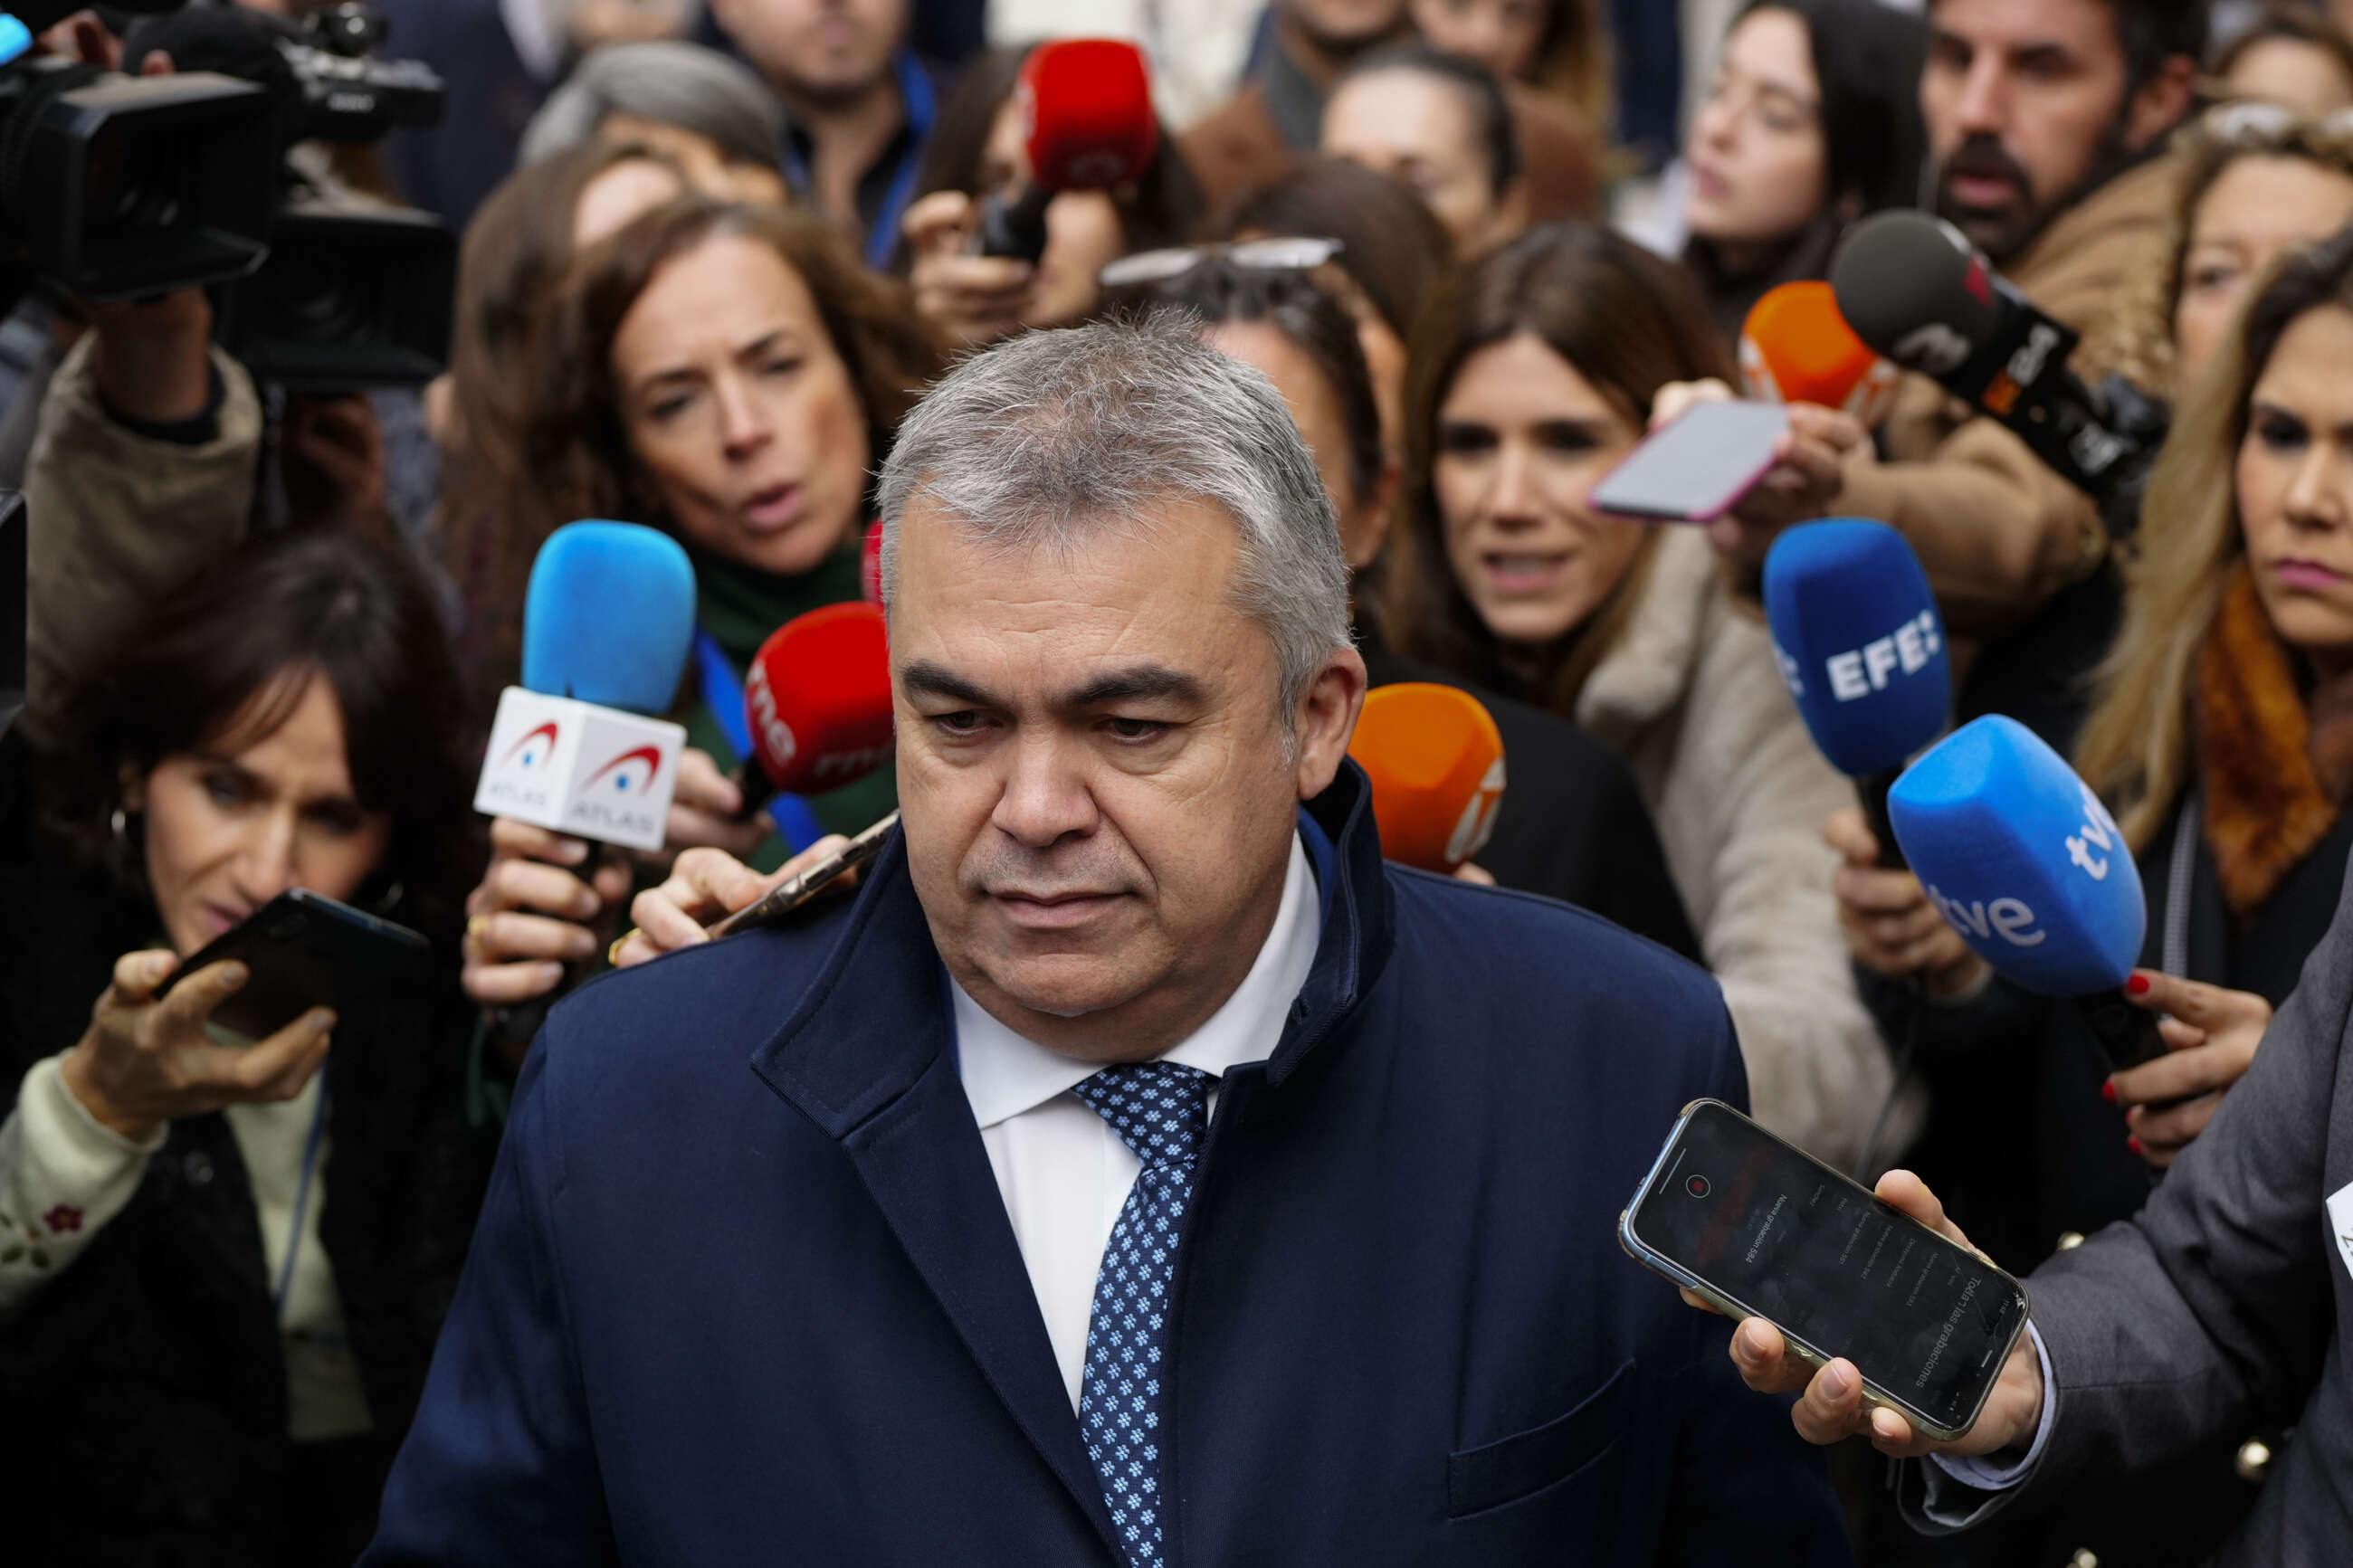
{"points": [[1856, 628], [2021, 859], [608, 616]]}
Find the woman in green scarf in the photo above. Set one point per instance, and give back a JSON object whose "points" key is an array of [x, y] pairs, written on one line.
{"points": [[731, 375]]}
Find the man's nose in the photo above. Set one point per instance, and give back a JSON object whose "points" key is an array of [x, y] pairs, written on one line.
{"points": [[1983, 109], [1045, 798]]}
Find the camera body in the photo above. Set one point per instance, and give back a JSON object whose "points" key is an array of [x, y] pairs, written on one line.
{"points": [[350, 96]]}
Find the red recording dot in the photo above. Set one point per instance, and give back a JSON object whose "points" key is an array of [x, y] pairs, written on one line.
{"points": [[1696, 1187]]}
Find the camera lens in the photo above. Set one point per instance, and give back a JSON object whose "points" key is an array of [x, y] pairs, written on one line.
{"points": [[131, 182], [315, 304]]}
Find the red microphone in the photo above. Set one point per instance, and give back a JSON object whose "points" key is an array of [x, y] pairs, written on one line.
{"points": [[1436, 763], [1087, 123], [869, 564], [1796, 348], [817, 701]]}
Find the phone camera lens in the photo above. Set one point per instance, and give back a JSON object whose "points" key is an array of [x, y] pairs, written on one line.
{"points": [[1696, 1187]]}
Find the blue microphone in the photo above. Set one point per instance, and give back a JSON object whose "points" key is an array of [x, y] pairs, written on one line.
{"points": [[2021, 859], [1856, 628], [608, 616]]}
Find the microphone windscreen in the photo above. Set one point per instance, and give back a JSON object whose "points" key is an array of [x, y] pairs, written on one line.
{"points": [[1436, 761], [1856, 626], [1087, 105], [817, 699], [1796, 348], [2022, 859], [1914, 288], [608, 616]]}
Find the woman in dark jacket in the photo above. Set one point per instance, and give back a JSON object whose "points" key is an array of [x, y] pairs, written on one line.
{"points": [[1811, 120], [223, 1263]]}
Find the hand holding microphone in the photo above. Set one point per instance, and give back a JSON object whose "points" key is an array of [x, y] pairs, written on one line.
{"points": [[2211, 1035], [1891, 927], [608, 616]]}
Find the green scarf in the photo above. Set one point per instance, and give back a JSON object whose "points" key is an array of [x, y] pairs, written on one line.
{"points": [[739, 605]]}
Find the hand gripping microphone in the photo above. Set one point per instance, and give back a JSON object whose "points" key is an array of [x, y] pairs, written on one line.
{"points": [[1436, 761], [817, 701], [1796, 348], [2020, 857], [1087, 121], [607, 619], [1855, 629], [1916, 289]]}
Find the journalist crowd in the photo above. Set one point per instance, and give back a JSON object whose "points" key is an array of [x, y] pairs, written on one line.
{"points": [[1081, 531]]}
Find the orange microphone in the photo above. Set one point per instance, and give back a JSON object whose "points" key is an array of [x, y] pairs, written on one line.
{"points": [[1796, 348], [1436, 761]]}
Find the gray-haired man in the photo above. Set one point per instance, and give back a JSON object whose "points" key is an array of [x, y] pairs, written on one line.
{"points": [[1139, 1170]]}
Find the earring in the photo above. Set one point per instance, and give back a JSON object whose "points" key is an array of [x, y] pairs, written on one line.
{"points": [[390, 900], [120, 825]]}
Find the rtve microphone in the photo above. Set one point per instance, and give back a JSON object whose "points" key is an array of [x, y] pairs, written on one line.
{"points": [[1855, 629], [1436, 761], [1796, 348], [607, 619], [2020, 857], [818, 703], [1087, 121], [1914, 288]]}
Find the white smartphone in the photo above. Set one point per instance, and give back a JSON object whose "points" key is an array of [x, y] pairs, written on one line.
{"points": [[1697, 466], [1756, 1227]]}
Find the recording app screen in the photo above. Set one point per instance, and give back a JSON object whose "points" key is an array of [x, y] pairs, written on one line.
{"points": [[1772, 1230]]}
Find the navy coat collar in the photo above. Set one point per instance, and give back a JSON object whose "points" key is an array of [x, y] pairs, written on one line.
{"points": [[866, 1056]]}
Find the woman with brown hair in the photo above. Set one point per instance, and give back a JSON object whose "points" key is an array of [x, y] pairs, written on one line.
{"points": [[732, 375], [1531, 376], [976, 150], [496, 511]]}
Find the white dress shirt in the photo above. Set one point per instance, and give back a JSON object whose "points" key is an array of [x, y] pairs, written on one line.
{"points": [[1063, 1172]]}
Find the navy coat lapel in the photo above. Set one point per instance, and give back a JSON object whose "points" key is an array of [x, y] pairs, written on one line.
{"points": [[866, 1057]]}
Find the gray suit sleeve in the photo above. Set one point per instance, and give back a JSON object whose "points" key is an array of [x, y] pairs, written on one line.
{"points": [[2210, 1310]]}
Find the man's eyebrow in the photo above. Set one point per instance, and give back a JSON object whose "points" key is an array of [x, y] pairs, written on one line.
{"points": [[1141, 683], [924, 679]]}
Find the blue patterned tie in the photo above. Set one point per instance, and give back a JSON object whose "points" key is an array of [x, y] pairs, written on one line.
{"points": [[1160, 1111]]}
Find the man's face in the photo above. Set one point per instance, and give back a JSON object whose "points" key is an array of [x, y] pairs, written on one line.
{"points": [[824, 49], [1093, 775], [2021, 97]]}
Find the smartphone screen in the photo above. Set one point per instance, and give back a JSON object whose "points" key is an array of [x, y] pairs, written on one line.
{"points": [[1794, 1242], [1697, 466]]}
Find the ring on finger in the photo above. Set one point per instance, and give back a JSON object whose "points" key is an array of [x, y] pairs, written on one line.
{"points": [[475, 926]]}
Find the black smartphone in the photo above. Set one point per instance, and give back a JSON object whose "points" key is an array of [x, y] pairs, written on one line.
{"points": [[302, 950], [1756, 1227], [790, 894], [1696, 467]]}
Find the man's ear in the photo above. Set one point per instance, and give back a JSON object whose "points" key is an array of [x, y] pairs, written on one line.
{"points": [[1364, 525], [2162, 103], [1326, 719]]}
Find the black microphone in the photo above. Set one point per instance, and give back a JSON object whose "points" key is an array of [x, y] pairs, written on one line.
{"points": [[1915, 288]]}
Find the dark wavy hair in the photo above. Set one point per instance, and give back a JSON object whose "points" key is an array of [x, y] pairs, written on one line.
{"points": [[579, 441], [221, 662], [1630, 321]]}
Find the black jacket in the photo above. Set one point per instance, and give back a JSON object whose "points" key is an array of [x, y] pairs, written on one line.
{"points": [[1572, 826], [145, 1387]]}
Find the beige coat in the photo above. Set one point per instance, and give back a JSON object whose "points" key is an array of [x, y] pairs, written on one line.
{"points": [[1997, 529], [1691, 697], [118, 519]]}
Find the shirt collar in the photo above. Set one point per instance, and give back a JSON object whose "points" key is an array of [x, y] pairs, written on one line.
{"points": [[1005, 1074]]}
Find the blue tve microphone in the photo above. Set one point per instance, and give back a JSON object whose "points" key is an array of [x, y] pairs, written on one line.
{"points": [[608, 616], [1856, 628], [2020, 857]]}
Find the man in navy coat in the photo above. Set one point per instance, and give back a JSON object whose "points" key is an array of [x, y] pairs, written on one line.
{"points": [[1138, 1169]]}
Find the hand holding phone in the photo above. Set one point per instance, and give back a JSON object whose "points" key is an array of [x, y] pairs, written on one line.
{"points": [[302, 952], [147, 1059], [1909, 1331]]}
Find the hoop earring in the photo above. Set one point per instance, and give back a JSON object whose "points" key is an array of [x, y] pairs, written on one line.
{"points": [[120, 824], [390, 900]]}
